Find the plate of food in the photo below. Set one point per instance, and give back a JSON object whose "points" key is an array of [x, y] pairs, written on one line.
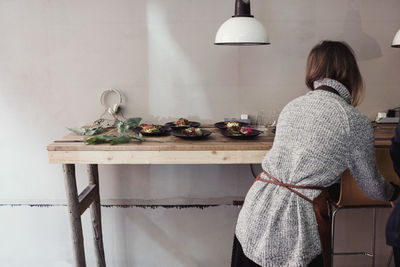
{"points": [[154, 130], [182, 123], [228, 124], [243, 132], [191, 133]]}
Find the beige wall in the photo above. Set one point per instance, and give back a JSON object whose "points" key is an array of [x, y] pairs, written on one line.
{"points": [[57, 56]]}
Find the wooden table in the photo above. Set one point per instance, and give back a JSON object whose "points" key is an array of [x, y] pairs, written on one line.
{"points": [[216, 149]]}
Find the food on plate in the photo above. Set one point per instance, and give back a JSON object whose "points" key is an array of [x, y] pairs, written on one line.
{"points": [[232, 124], [182, 122], [192, 131], [151, 128], [246, 130], [237, 131], [229, 124], [242, 132]]}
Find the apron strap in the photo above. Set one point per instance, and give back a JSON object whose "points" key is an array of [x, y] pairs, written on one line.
{"points": [[289, 186]]}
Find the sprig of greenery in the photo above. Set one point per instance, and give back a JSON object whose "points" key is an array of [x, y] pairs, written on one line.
{"points": [[87, 131], [113, 140], [100, 139], [138, 137], [128, 125], [123, 127]]}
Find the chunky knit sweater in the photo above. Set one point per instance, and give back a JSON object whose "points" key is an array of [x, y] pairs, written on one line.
{"points": [[319, 135]]}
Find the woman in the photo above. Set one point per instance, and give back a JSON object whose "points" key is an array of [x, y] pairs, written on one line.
{"points": [[319, 135], [393, 224]]}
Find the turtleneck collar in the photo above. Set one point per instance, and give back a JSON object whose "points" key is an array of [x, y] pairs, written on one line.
{"points": [[339, 87]]}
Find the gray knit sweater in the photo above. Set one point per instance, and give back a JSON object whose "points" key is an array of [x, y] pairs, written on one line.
{"points": [[319, 136]]}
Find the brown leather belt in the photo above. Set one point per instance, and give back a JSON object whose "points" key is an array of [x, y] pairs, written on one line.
{"points": [[321, 210]]}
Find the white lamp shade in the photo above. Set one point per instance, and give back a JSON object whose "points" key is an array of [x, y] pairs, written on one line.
{"points": [[396, 40], [241, 31]]}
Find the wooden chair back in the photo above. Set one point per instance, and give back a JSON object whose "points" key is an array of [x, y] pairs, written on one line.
{"points": [[351, 194]]}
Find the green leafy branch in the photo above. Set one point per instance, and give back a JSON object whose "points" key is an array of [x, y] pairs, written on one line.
{"points": [[123, 127], [128, 125], [87, 131], [113, 140]]}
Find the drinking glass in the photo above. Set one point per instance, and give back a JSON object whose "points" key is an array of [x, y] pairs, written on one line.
{"points": [[261, 121]]}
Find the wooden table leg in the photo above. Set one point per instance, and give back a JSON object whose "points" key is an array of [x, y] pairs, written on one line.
{"points": [[95, 213], [74, 214]]}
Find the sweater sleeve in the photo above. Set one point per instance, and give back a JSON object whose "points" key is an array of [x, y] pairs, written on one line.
{"points": [[362, 163]]}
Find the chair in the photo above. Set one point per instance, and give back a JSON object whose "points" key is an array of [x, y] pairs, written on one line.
{"points": [[351, 197]]}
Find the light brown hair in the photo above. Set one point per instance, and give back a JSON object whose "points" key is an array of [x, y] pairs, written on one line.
{"points": [[335, 60]]}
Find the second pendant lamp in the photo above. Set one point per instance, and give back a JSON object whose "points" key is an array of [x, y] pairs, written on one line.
{"points": [[396, 40], [242, 28]]}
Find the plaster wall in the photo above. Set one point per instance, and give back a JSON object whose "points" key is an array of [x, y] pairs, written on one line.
{"points": [[56, 57]]}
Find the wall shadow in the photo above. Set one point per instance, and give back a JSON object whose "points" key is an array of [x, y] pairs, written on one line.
{"points": [[364, 45]]}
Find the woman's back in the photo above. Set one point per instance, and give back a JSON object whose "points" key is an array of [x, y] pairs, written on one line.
{"points": [[319, 136], [312, 140]]}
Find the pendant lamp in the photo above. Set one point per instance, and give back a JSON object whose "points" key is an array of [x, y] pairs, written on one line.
{"points": [[396, 40], [242, 28]]}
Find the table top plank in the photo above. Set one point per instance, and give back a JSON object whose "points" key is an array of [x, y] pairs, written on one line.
{"points": [[215, 149], [158, 157], [216, 141]]}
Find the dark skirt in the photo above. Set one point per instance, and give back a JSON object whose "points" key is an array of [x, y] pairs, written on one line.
{"points": [[396, 253], [393, 227], [240, 260]]}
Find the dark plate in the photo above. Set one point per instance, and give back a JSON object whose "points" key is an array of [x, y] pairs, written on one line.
{"points": [[164, 130], [254, 134], [191, 124], [178, 133], [221, 124]]}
